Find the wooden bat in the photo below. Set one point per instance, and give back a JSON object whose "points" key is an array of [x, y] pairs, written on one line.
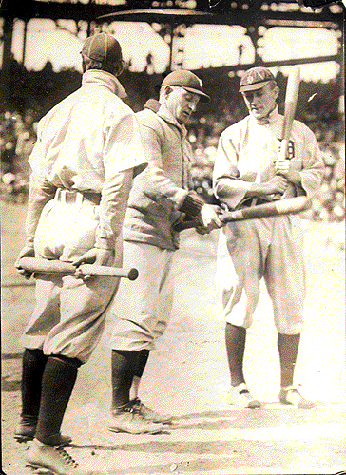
{"points": [[40, 265], [291, 100], [266, 210]]}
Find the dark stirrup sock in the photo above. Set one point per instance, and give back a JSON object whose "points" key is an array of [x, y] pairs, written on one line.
{"points": [[288, 353], [58, 381], [142, 359], [34, 363], [235, 345], [123, 365]]}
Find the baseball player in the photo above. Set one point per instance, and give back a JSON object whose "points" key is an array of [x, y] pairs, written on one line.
{"points": [[87, 152], [158, 201], [246, 173]]}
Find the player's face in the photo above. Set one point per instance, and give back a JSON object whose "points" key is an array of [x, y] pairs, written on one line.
{"points": [[181, 103], [261, 102]]}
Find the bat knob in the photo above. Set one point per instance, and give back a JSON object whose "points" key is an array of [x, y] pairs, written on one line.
{"points": [[133, 274]]}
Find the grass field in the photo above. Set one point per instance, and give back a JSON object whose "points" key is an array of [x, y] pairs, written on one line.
{"points": [[188, 375]]}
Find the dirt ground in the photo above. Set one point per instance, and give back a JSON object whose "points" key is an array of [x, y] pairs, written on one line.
{"points": [[187, 375]]}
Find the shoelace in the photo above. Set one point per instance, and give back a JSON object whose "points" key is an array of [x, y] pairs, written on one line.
{"points": [[68, 459]]}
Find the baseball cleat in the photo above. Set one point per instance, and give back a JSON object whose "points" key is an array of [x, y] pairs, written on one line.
{"points": [[129, 418], [26, 429], [240, 396], [293, 397], [55, 459], [151, 415]]}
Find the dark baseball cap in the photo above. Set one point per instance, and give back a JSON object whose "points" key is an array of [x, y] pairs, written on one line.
{"points": [[102, 47], [187, 80], [255, 78]]}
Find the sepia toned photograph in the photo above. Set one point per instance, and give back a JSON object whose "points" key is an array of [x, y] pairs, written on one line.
{"points": [[172, 196]]}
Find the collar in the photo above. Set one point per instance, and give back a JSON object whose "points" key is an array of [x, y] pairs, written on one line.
{"points": [[167, 116], [153, 105], [103, 78], [271, 118]]}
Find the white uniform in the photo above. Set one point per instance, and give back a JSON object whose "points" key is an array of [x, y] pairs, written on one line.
{"points": [[85, 147], [267, 247]]}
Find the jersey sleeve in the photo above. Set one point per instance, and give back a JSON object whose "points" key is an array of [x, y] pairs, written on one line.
{"points": [[124, 158], [40, 189], [228, 186], [157, 185], [312, 170]]}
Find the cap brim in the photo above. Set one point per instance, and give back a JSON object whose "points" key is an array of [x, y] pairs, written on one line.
{"points": [[204, 97], [253, 87]]}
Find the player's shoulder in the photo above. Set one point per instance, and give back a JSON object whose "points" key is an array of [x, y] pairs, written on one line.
{"points": [[236, 128], [303, 129], [149, 118]]}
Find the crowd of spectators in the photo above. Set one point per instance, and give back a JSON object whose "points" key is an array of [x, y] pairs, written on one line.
{"points": [[18, 135]]}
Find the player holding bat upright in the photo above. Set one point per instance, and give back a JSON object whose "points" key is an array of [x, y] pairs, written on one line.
{"points": [[88, 150], [249, 171]]}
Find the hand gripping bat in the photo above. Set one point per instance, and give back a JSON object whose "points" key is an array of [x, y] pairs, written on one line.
{"points": [[266, 210], [40, 265]]}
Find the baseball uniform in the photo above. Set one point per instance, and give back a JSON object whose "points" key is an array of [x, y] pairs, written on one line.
{"points": [[82, 167], [269, 247], [149, 237]]}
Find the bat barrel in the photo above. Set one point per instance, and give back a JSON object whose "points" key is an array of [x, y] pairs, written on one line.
{"points": [[39, 265]]}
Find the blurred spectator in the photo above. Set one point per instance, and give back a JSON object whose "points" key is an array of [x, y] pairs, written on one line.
{"points": [[17, 137]]}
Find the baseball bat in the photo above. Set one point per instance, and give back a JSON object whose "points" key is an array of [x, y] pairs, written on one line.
{"points": [[291, 100], [40, 265], [266, 210]]}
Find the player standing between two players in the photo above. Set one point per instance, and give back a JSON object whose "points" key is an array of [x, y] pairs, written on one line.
{"points": [[158, 201], [246, 173], [82, 166]]}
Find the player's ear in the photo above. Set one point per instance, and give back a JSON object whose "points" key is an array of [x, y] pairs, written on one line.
{"points": [[276, 91], [119, 68]]}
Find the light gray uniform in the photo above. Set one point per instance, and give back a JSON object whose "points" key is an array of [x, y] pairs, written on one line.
{"points": [[268, 247], [88, 149], [149, 236]]}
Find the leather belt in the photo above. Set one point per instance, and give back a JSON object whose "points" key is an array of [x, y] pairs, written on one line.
{"points": [[78, 197]]}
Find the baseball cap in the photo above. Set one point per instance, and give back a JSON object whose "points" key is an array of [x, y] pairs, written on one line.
{"points": [[255, 78], [188, 81], [102, 47]]}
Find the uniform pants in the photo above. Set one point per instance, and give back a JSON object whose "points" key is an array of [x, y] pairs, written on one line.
{"points": [[68, 317], [270, 248], [149, 298]]}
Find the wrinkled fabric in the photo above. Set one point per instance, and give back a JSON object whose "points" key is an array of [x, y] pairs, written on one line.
{"points": [[151, 299], [82, 144], [158, 192], [269, 248]]}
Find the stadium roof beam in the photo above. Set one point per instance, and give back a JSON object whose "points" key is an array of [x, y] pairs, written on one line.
{"points": [[237, 16]]}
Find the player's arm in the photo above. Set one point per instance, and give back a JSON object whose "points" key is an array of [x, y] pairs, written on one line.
{"points": [[40, 192], [228, 186], [157, 184], [123, 158], [312, 170]]}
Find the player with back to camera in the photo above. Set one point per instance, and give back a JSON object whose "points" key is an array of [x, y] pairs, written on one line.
{"points": [[87, 152], [158, 201], [247, 173]]}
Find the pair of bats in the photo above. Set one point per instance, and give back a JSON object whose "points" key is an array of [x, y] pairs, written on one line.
{"points": [[274, 208]]}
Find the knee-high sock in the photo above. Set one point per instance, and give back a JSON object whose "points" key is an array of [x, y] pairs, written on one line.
{"points": [[58, 380], [288, 353], [235, 345], [138, 373], [125, 365], [34, 363]]}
